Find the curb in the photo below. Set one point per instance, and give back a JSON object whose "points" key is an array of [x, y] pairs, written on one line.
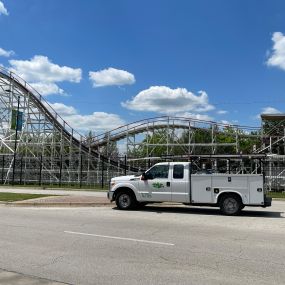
{"points": [[13, 204]]}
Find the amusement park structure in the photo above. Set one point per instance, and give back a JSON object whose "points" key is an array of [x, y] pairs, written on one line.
{"points": [[37, 146]]}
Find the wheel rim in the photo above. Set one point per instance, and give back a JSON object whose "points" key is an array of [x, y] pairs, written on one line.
{"points": [[124, 200], [231, 205]]}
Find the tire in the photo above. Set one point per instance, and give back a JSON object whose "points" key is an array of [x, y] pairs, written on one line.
{"points": [[125, 200], [231, 205]]}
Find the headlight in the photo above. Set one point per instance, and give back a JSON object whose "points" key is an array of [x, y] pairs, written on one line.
{"points": [[112, 183]]}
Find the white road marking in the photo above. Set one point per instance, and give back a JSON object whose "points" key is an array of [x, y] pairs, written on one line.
{"points": [[120, 238]]}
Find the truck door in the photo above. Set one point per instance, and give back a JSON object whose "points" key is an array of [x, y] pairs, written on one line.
{"points": [[179, 184], [156, 187], [201, 188]]}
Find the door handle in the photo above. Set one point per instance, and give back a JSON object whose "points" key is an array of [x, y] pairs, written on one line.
{"points": [[168, 184], [208, 188]]}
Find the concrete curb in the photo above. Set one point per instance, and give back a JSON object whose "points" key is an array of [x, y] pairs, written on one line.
{"points": [[56, 204], [59, 204]]}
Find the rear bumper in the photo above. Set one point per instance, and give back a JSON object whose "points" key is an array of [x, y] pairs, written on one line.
{"points": [[267, 201]]}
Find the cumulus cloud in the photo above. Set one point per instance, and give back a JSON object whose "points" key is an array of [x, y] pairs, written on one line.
{"points": [[6, 53], [111, 76], [3, 10], [62, 109], [47, 88], [202, 117], [226, 122], [267, 110], [163, 99], [222, 112], [277, 55], [97, 121], [43, 74], [40, 68], [270, 110]]}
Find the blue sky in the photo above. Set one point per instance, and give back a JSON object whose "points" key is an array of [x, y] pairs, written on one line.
{"points": [[105, 63]]}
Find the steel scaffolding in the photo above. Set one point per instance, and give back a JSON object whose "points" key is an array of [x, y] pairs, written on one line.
{"points": [[38, 146]]}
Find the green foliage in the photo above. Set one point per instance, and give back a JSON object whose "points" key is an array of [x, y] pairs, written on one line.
{"points": [[246, 142]]}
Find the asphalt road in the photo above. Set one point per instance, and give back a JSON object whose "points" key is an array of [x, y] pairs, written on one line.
{"points": [[158, 245]]}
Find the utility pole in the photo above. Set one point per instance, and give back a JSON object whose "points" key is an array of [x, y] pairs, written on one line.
{"points": [[16, 138]]}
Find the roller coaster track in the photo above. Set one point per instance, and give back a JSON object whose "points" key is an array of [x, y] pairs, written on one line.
{"points": [[164, 122], [171, 127], [44, 136]]}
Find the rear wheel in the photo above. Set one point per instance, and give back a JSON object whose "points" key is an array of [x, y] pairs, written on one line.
{"points": [[231, 205], [125, 200]]}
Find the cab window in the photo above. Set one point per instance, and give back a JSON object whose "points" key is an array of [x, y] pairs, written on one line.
{"points": [[178, 171], [158, 171]]}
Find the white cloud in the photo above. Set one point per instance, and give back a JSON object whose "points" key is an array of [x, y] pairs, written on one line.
{"points": [[62, 109], [3, 10], [47, 88], [43, 74], [222, 112], [163, 99], [267, 110], [111, 76], [41, 69], [97, 121], [225, 122], [270, 110], [277, 56], [6, 53], [202, 117]]}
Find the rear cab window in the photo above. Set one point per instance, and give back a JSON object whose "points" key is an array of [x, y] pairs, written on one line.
{"points": [[178, 171]]}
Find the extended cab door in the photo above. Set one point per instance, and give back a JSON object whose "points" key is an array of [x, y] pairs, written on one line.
{"points": [[180, 183], [156, 187]]}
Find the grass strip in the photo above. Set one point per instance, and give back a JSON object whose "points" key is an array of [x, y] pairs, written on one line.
{"points": [[279, 195], [12, 197], [95, 188]]}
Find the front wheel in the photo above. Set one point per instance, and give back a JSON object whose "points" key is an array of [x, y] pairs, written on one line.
{"points": [[231, 205], [125, 201]]}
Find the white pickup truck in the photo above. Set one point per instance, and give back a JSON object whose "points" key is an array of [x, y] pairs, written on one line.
{"points": [[174, 182]]}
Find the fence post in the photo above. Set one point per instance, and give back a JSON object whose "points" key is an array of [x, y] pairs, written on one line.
{"points": [[60, 170], [80, 178], [102, 175], [16, 138], [21, 170], [41, 167], [3, 163]]}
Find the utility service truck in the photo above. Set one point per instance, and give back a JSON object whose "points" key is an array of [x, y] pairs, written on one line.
{"points": [[175, 182]]}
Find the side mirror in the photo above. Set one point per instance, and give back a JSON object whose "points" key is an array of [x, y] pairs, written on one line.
{"points": [[143, 176]]}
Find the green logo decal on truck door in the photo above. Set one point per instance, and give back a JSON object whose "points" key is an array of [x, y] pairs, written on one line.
{"points": [[157, 185]]}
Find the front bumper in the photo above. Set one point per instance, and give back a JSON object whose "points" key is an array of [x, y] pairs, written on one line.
{"points": [[110, 195]]}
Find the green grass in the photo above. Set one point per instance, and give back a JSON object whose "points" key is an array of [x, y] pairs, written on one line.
{"points": [[12, 197], [95, 188], [278, 195]]}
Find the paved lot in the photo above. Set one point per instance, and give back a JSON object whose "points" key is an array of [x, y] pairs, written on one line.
{"points": [[158, 245]]}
